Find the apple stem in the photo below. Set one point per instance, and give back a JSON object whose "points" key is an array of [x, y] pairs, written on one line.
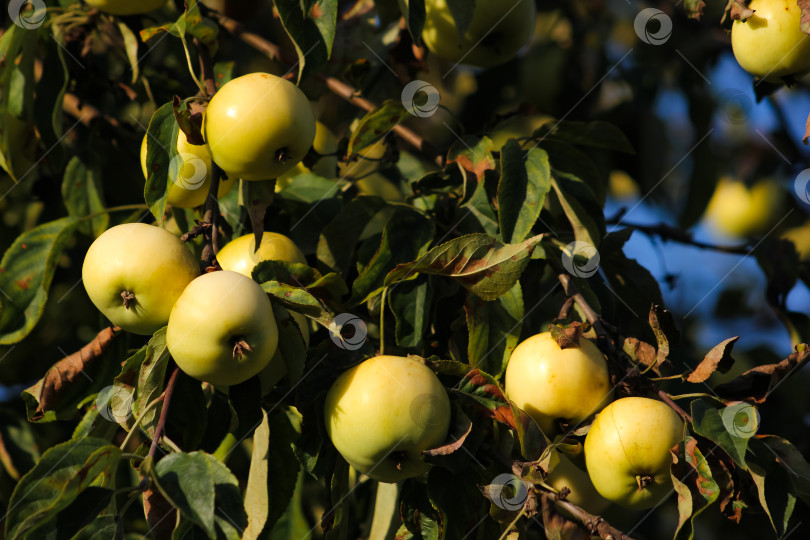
{"points": [[240, 347], [128, 297]]}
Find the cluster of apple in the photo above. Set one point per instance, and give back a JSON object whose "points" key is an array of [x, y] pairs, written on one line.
{"points": [[770, 43], [626, 450], [220, 325]]}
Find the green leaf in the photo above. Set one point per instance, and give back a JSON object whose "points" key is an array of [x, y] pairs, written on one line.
{"points": [[300, 300], [151, 380], [18, 449], [324, 13], [83, 196], [131, 48], [201, 488], [473, 155], [410, 302], [310, 43], [161, 148], [310, 188], [26, 271], [522, 190], [707, 421], [775, 487], [693, 482], [376, 124], [478, 262], [789, 457], [405, 237], [414, 13], [484, 389], [17, 91], [586, 229], [328, 288], [494, 328], [481, 209], [462, 12], [102, 528], [257, 497], [594, 134], [191, 22], [63, 473], [338, 239], [291, 346]]}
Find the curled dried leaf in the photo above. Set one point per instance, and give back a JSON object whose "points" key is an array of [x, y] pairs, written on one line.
{"points": [[718, 359], [756, 383], [60, 376], [739, 11]]}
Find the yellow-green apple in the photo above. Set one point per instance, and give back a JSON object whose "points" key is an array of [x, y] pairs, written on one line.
{"points": [[497, 31], [583, 494], [190, 174], [134, 272], [239, 255], [627, 451], [259, 126], [222, 329], [739, 211], [383, 413], [770, 43], [550, 383]]}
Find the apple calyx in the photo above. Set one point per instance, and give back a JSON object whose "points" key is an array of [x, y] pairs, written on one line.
{"points": [[128, 298], [239, 348], [644, 481], [399, 457], [282, 154], [567, 337]]}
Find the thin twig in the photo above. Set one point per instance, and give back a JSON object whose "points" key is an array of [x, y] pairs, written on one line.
{"points": [[666, 398], [595, 524], [334, 85], [164, 411], [666, 232]]}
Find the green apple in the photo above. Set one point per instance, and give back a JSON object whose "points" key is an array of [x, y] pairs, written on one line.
{"points": [[367, 163], [550, 383], [191, 176], [134, 272], [739, 211], [627, 451], [497, 31], [240, 255], [222, 329], [583, 494], [126, 7], [259, 126], [770, 44], [326, 144], [383, 413]]}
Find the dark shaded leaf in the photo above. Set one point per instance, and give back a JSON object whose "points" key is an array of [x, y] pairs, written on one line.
{"points": [[375, 125], [522, 190], [312, 48], [757, 383], [494, 329], [161, 148], [82, 194]]}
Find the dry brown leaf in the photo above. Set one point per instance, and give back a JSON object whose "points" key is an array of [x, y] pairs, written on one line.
{"points": [[718, 359], [755, 384]]}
